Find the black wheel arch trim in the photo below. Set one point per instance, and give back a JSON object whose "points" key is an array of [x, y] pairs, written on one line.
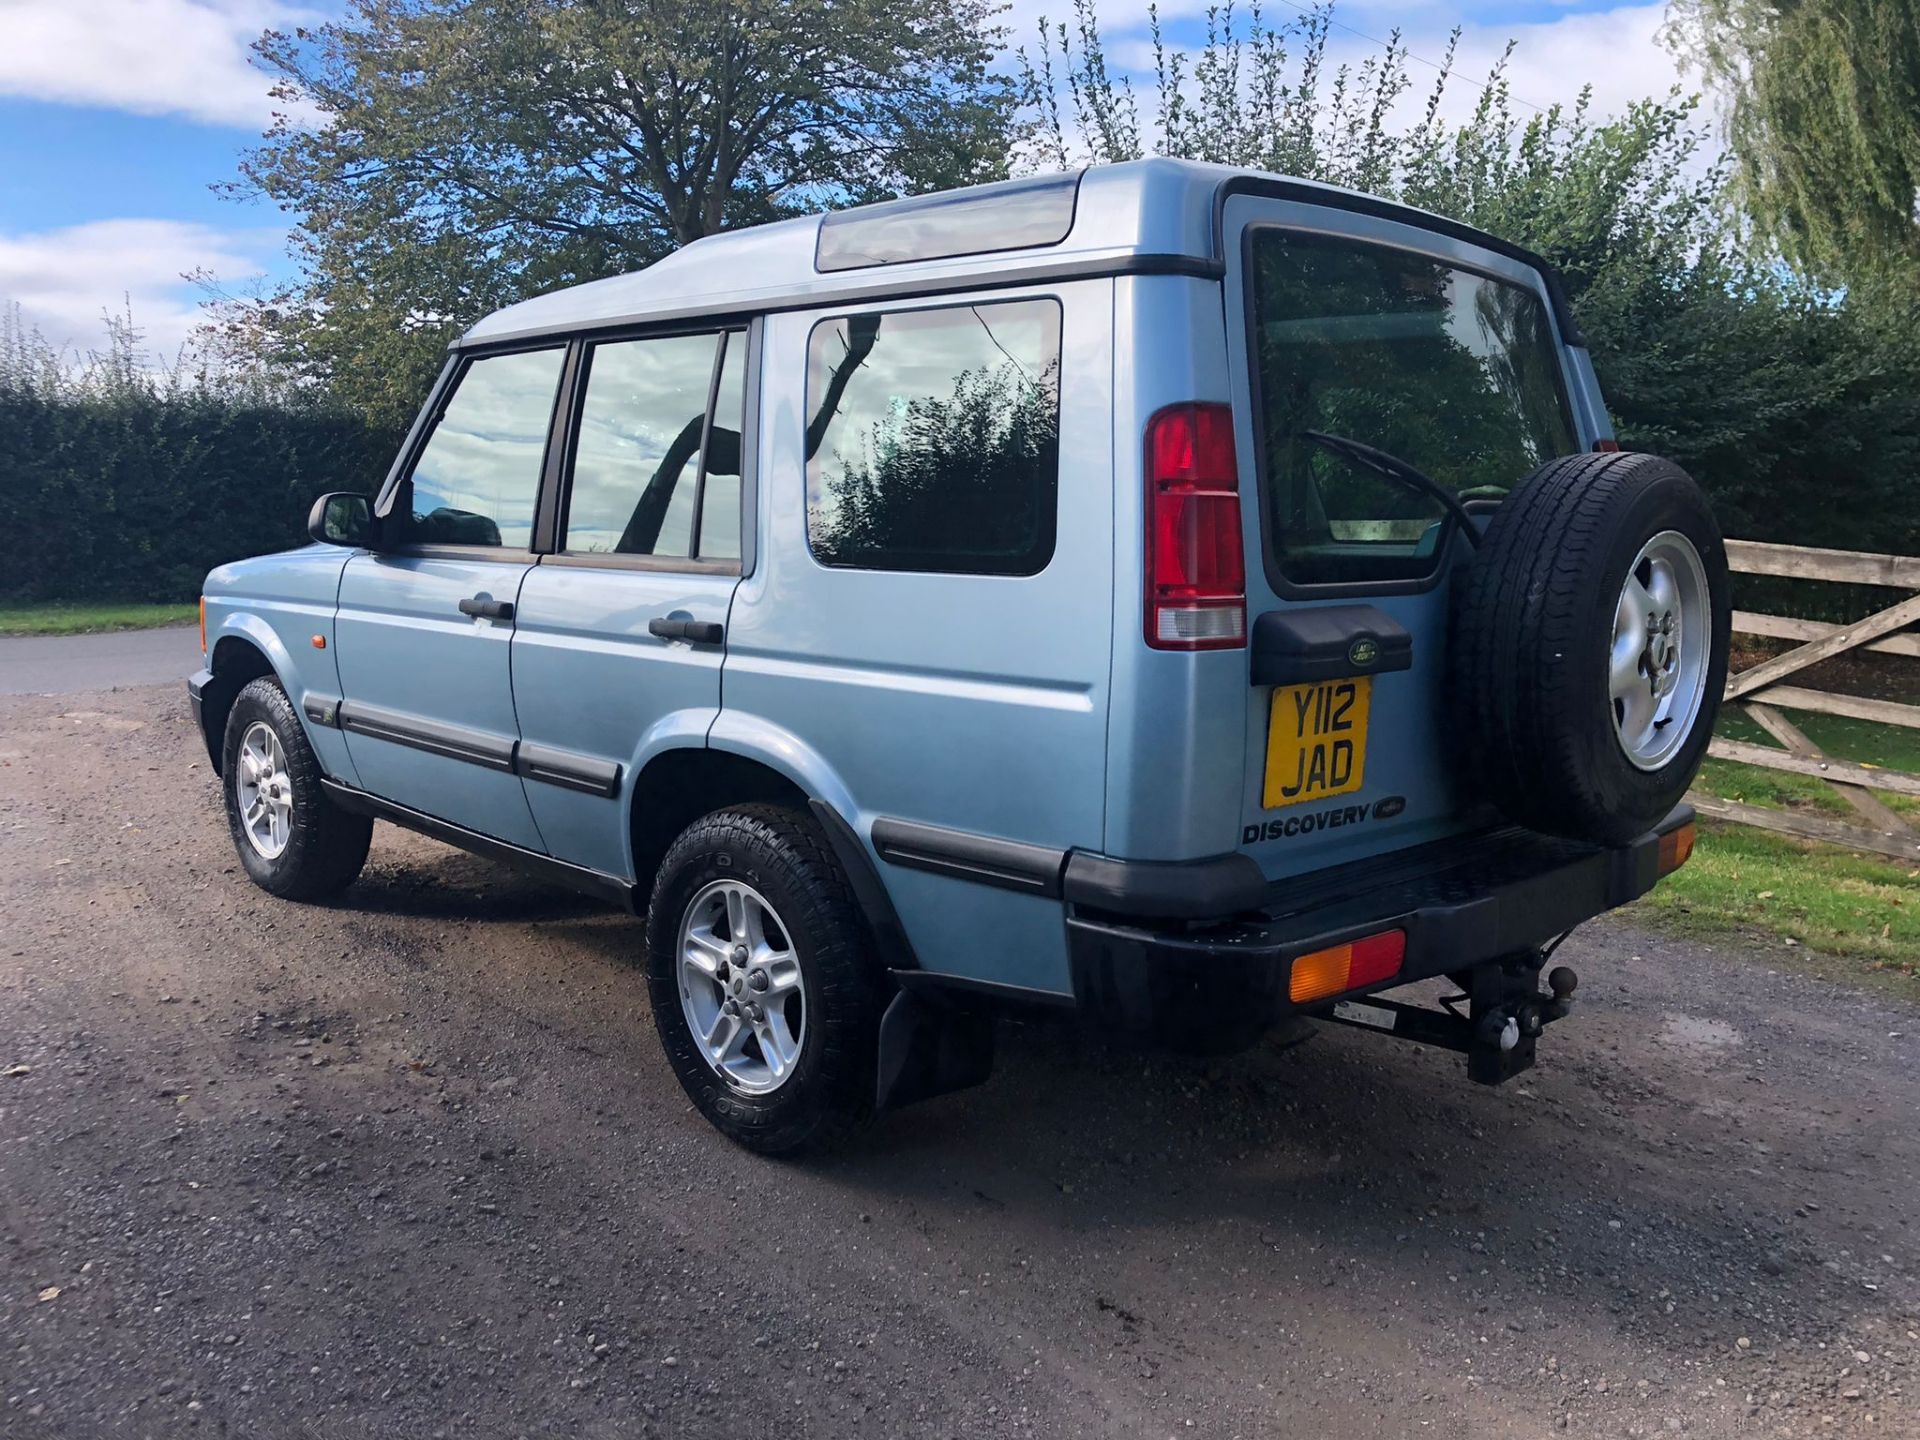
{"points": [[896, 950]]}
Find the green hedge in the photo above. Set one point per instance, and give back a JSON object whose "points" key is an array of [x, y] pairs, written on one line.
{"points": [[135, 491]]}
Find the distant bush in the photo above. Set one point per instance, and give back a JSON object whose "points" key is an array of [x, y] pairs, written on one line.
{"points": [[121, 482]]}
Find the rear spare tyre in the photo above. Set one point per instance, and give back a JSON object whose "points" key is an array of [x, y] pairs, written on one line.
{"points": [[1590, 646]]}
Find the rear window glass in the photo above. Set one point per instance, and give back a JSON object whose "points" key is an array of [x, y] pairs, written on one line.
{"points": [[1450, 370], [933, 439], [1015, 215]]}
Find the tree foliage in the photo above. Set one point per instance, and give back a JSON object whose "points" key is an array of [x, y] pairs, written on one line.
{"points": [[478, 151], [1799, 408], [1823, 121]]}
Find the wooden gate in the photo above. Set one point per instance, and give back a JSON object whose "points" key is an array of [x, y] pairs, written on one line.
{"points": [[1766, 689]]}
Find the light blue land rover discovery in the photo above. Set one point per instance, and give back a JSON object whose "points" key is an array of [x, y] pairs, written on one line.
{"points": [[1181, 596]]}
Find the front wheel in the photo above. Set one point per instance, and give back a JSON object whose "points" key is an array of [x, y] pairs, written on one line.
{"points": [[293, 841], [766, 992]]}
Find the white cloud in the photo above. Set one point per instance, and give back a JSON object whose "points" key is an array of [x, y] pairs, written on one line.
{"points": [[152, 57], [65, 280], [1616, 51]]}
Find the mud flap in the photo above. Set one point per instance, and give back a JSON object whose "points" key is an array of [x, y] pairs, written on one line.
{"points": [[928, 1050]]}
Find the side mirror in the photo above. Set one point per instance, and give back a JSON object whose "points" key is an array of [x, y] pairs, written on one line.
{"points": [[342, 518]]}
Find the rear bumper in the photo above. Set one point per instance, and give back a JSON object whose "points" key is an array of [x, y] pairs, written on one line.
{"points": [[1461, 903]]}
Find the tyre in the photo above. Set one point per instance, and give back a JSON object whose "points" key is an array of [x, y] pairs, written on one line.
{"points": [[766, 990], [1589, 646], [293, 840]]}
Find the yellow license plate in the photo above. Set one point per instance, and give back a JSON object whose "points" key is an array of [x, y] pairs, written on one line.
{"points": [[1317, 740]]}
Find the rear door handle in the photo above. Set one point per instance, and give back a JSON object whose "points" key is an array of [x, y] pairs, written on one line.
{"points": [[487, 609], [695, 632]]}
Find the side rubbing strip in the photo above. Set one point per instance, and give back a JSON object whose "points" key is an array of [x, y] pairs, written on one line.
{"points": [[1008, 864], [568, 770], [321, 708], [456, 742]]}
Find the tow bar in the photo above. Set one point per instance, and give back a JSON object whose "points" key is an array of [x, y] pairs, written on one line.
{"points": [[1506, 1011]]}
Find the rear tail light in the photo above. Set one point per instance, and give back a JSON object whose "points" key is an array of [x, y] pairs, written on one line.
{"points": [[1607, 447], [1676, 847], [1196, 581], [1366, 961]]}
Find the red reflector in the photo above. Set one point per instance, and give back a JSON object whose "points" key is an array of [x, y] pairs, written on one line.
{"points": [[1377, 958], [1196, 585], [1607, 447]]}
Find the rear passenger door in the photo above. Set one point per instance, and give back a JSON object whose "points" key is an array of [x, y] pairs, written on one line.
{"points": [[932, 614], [621, 631], [425, 623]]}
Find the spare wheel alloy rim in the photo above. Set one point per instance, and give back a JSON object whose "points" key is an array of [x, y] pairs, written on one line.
{"points": [[740, 987], [1662, 641]]}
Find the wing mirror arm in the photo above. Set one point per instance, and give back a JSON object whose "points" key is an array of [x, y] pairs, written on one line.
{"points": [[344, 518]]}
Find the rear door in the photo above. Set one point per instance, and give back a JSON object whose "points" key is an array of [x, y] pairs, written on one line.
{"points": [[621, 632], [1439, 352], [425, 625]]}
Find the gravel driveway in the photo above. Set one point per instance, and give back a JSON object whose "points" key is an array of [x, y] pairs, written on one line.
{"points": [[413, 1166]]}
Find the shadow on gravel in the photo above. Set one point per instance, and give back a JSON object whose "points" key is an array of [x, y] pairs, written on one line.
{"points": [[1346, 1158], [1335, 1159], [461, 887]]}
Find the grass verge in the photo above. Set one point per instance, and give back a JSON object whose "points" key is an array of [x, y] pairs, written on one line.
{"points": [[1812, 907], [1857, 909], [86, 619]]}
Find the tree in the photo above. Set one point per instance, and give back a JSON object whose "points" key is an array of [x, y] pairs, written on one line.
{"points": [[1798, 407], [1823, 120], [478, 151]]}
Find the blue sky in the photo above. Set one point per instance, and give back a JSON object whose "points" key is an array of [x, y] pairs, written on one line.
{"points": [[117, 117]]}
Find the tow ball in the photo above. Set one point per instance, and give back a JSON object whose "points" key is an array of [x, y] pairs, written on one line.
{"points": [[1505, 1011]]}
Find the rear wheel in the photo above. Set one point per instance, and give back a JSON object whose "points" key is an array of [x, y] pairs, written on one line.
{"points": [[292, 840], [766, 992], [1590, 646]]}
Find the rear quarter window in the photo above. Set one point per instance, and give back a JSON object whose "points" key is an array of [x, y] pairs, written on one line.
{"points": [[933, 439], [1452, 370]]}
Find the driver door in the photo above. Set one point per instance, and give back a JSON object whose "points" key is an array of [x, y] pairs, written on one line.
{"points": [[426, 623]]}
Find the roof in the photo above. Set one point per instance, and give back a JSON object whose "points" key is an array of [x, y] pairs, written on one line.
{"points": [[1156, 214]]}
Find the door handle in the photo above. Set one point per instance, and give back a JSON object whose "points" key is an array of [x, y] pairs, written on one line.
{"points": [[695, 632], [487, 609]]}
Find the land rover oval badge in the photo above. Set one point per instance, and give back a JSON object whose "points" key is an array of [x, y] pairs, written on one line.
{"points": [[1364, 651]]}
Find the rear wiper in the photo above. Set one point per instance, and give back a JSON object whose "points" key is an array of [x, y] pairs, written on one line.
{"points": [[1399, 471]]}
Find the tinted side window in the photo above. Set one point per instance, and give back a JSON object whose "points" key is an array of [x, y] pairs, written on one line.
{"points": [[934, 438], [645, 456], [477, 479]]}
